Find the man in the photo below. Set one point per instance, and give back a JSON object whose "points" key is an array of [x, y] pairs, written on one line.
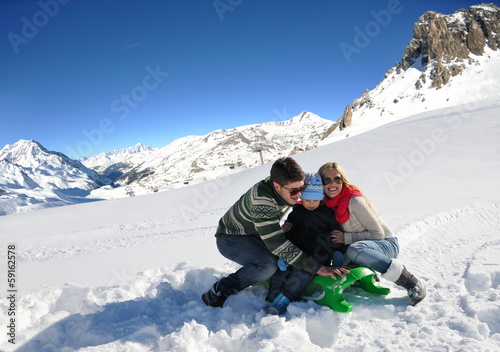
{"points": [[250, 234]]}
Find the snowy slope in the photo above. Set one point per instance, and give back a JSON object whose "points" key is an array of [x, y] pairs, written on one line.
{"points": [[127, 274]]}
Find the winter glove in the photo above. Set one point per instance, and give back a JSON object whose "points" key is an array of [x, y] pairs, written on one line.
{"points": [[282, 264]]}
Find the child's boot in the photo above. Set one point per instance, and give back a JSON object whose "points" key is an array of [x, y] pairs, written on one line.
{"points": [[279, 305]]}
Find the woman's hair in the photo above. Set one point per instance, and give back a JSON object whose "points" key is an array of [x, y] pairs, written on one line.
{"points": [[334, 166], [286, 170], [345, 182]]}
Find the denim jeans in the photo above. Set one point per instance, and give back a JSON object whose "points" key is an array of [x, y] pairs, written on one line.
{"points": [[258, 263], [376, 254], [291, 282]]}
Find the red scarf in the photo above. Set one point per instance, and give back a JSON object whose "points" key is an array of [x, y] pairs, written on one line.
{"points": [[340, 203]]}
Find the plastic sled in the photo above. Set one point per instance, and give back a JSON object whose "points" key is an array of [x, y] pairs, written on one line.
{"points": [[334, 288]]}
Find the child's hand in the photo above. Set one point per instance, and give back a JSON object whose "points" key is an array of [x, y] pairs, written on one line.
{"points": [[287, 226], [337, 236]]}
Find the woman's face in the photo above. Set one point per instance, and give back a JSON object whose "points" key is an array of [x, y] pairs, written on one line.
{"points": [[333, 188]]}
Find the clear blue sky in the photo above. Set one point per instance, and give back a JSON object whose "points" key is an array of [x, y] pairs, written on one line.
{"points": [[83, 77]]}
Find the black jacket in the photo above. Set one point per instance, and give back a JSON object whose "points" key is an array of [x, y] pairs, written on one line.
{"points": [[311, 232]]}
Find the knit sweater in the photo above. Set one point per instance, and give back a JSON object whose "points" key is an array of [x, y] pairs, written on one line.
{"points": [[258, 213], [364, 223]]}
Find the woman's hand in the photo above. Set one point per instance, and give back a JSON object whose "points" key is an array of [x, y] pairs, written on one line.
{"points": [[337, 236], [332, 271], [287, 226]]}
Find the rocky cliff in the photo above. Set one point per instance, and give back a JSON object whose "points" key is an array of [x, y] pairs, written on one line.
{"points": [[447, 41], [461, 47]]}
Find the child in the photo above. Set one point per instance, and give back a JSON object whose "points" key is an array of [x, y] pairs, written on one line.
{"points": [[309, 227]]}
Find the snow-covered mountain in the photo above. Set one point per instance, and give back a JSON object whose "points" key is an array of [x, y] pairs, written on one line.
{"points": [[451, 60], [32, 177], [193, 159], [51, 169], [115, 163]]}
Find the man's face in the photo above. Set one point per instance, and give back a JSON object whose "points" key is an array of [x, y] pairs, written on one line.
{"points": [[290, 192]]}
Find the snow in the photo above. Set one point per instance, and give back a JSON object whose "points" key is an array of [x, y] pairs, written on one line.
{"points": [[397, 97], [127, 274]]}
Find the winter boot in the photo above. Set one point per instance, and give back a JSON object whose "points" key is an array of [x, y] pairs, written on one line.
{"points": [[279, 305], [217, 295], [398, 274]]}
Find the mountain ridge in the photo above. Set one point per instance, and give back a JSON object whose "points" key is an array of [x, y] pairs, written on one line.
{"points": [[431, 75]]}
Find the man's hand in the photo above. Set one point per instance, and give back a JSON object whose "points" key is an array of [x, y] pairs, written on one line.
{"points": [[332, 271]]}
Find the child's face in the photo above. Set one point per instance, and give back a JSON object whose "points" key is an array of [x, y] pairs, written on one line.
{"points": [[310, 204]]}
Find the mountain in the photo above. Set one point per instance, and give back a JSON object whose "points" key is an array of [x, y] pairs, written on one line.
{"points": [[32, 177], [194, 159], [13, 176], [51, 169], [451, 60], [115, 163]]}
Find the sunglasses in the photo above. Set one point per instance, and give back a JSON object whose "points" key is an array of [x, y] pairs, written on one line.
{"points": [[327, 180], [295, 191]]}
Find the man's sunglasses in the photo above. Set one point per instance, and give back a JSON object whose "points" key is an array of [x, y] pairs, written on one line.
{"points": [[328, 180], [295, 191]]}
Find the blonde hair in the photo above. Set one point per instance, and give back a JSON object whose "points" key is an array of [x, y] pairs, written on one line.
{"points": [[335, 166], [345, 181]]}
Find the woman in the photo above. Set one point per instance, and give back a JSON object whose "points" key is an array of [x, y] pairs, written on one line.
{"points": [[371, 242]]}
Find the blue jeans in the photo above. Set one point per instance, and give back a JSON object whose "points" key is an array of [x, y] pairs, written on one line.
{"points": [[291, 282], [258, 263], [376, 254]]}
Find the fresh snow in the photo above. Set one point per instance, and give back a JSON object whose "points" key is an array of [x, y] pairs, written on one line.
{"points": [[397, 96], [127, 274]]}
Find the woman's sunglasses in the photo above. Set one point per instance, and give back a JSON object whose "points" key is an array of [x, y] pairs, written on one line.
{"points": [[328, 180]]}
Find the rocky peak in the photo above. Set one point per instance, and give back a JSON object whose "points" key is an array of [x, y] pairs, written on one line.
{"points": [[447, 41]]}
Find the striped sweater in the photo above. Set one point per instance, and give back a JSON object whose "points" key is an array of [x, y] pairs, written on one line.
{"points": [[258, 213]]}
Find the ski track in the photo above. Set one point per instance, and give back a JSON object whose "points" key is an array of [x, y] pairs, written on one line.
{"points": [[103, 237], [160, 309]]}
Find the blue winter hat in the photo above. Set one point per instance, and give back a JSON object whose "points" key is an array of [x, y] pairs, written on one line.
{"points": [[314, 187]]}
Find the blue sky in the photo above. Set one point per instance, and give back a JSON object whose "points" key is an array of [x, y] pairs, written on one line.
{"points": [[83, 77]]}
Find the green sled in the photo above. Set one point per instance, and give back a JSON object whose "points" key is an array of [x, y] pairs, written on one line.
{"points": [[334, 288]]}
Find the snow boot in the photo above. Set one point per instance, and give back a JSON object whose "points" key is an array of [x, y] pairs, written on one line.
{"points": [[279, 305], [217, 295], [398, 274]]}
